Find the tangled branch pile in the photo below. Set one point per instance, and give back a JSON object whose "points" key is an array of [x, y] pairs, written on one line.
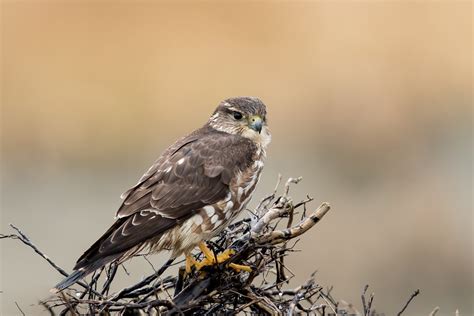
{"points": [[261, 241]]}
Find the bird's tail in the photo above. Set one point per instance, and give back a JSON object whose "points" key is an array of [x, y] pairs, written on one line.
{"points": [[70, 280], [82, 272]]}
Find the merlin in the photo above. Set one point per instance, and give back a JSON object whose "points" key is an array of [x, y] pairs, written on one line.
{"points": [[191, 193]]}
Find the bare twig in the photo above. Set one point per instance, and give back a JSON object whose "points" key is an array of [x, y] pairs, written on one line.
{"points": [[434, 311], [364, 303], [367, 305], [267, 200], [281, 208], [48, 308], [127, 304], [145, 281], [412, 296], [19, 308], [110, 277], [289, 182], [24, 239]]}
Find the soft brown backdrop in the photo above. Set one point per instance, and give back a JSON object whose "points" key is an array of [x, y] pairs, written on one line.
{"points": [[369, 101]]}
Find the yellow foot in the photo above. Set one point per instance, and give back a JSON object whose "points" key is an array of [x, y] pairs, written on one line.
{"points": [[225, 255], [208, 253], [211, 259], [190, 262], [239, 267]]}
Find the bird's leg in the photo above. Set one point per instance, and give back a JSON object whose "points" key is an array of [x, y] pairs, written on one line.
{"points": [[211, 258], [208, 253], [226, 254], [190, 262]]}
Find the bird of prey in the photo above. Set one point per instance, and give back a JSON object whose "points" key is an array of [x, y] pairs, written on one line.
{"points": [[191, 193]]}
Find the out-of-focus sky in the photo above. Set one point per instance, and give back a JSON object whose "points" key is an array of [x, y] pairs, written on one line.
{"points": [[370, 101]]}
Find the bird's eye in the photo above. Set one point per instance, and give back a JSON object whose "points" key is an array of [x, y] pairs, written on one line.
{"points": [[237, 115]]}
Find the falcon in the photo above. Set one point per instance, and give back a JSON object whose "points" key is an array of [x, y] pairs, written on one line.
{"points": [[190, 194]]}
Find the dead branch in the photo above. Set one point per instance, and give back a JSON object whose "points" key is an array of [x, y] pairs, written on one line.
{"points": [[412, 296], [434, 311], [260, 241], [24, 239], [279, 236]]}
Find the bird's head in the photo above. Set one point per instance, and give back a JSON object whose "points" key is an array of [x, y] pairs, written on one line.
{"points": [[244, 116]]}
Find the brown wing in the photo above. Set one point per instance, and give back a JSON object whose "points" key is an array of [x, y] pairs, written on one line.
{"points": [[192, 173]]}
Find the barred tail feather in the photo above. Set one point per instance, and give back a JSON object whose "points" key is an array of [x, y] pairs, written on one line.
{"points": [[82, 272], [70, 280]]}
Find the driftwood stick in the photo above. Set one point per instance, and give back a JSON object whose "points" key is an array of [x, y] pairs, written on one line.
{"points": [[275, 212], [279, 236]]}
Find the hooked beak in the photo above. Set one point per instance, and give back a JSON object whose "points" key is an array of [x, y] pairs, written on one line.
{"points": [[256, 123]]}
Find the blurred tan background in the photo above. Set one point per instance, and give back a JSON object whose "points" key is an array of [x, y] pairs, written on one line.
{"points": [[370, 101]]}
